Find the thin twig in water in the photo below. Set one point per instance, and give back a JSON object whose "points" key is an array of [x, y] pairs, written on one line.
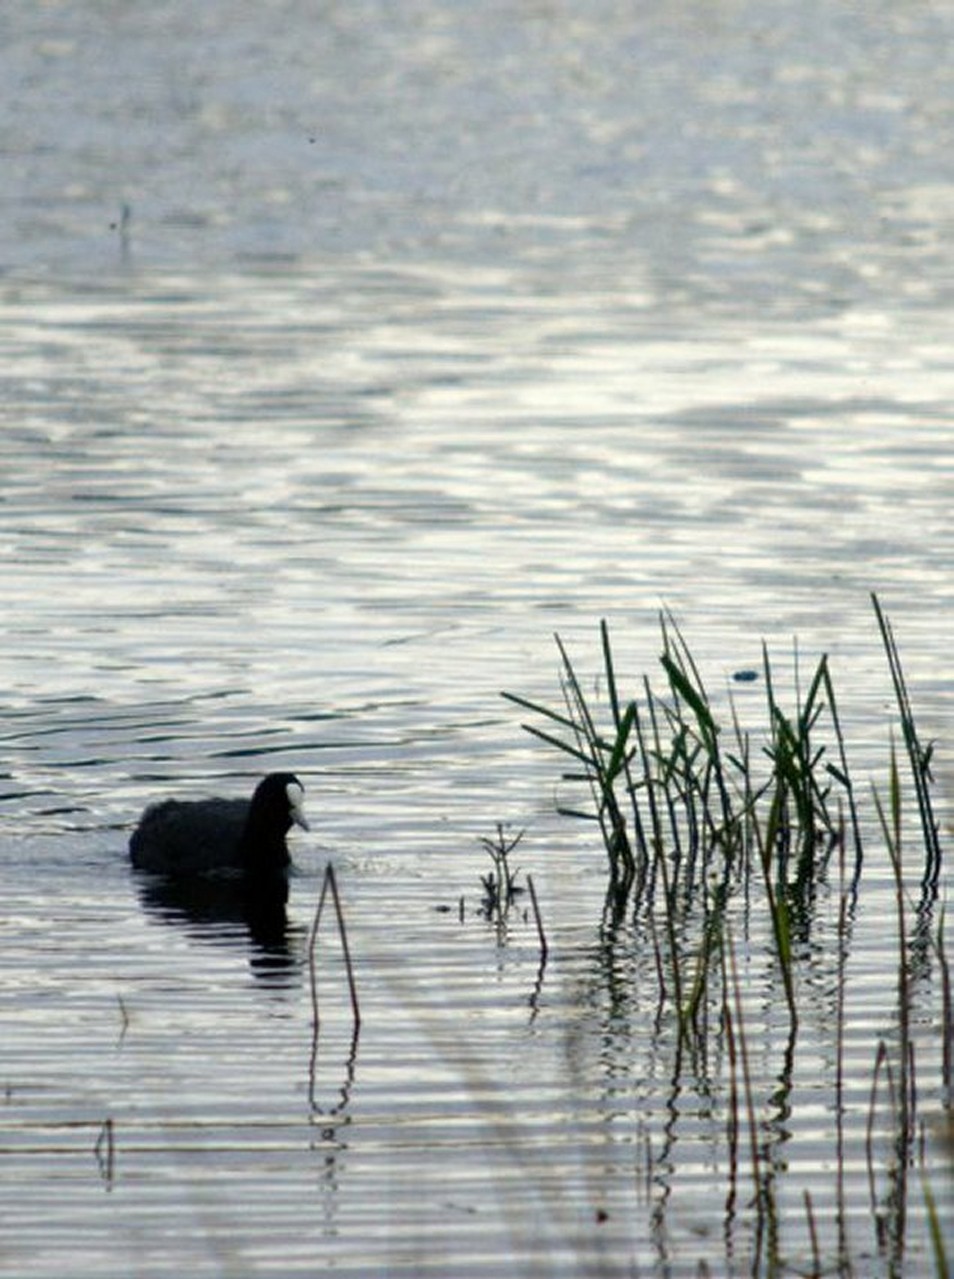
{"points": [[937, 1235], [124, 1022], [880, 1060], [743, 1057], [732, 1117], [105, 1152], [544, 948], [312, 939], [947, 1020], [344, 946], [331, 883], [812, 1234], [345, 1085], [843, 915]]}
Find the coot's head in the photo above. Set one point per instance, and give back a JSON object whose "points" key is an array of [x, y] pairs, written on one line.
{"points": [[278, 804]]}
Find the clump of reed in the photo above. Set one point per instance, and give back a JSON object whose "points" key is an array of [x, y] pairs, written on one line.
{"points": [[501, 883], [692, 812], [686, 808], [672, 787], [502, 889], [698, 816], [682, 799]]}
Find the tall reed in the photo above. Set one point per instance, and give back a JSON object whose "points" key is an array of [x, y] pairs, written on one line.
{"points": [[694, 806], [683, 802], [665, 778], [919, 757]]}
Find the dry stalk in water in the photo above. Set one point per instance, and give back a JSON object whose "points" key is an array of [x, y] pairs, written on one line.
{"points": [[330, 884]]}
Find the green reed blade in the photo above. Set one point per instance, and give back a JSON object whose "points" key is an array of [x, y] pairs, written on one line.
{"points": [[941, 1267], [546, 711], [918, 756], [566, 747]]}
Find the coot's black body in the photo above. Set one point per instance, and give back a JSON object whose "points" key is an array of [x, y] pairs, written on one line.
{"points": [[232, 837]]}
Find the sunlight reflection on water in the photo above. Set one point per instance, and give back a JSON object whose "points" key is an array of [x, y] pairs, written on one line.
{"points": [[564, 316], [210, 570]]}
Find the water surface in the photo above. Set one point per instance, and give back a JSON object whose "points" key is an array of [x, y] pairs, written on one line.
{"points": [[431, 331]]}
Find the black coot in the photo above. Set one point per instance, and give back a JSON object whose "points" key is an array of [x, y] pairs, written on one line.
{"points": [[237, 837]]}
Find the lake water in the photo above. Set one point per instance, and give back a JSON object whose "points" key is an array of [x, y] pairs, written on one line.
{"points": [[347, 353]]}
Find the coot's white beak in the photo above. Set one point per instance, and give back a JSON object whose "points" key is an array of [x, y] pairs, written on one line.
{"points": [[296, 801]]}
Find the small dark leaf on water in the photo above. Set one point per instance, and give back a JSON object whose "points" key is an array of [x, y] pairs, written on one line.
{"points": [[745, 676]]}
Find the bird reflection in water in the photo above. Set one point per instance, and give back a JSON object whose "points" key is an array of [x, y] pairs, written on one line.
{"points": [[219, 909]]}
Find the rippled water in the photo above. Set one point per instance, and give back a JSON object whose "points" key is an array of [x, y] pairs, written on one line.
{"points": [[434, 329]]}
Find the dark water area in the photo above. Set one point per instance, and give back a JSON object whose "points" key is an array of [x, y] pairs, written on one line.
{"points": [[347, 353]]}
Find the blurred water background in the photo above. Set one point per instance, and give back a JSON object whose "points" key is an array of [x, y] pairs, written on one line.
{"points": [[348, 351]]}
